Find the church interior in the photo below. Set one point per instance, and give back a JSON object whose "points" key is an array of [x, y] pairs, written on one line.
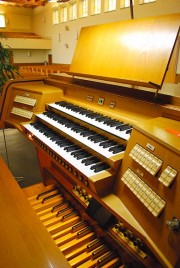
{"points": [[90, 133]]}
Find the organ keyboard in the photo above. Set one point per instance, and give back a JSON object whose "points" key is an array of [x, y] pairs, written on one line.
{"points": [[109, 158], [114, 127], [79, 161], [97, 142]]}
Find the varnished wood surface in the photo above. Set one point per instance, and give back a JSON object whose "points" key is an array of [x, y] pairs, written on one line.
{"points": [[32, 70], [171, 75], [24, 240], [135, 52], [31, 89], [164, 242], [165, 130]]}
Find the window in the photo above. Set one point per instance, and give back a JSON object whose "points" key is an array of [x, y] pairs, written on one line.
{"points": [[63, 13], [146, 1], [2, 21], [83, 8], [110, 5], [125, 3], [96, 7], [55, 14], [73, 10]]}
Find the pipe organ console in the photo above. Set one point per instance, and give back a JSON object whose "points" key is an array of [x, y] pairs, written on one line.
{"points": [[109, 158]]}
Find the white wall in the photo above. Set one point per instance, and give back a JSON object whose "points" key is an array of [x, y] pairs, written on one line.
{"points": [[61, 54], [17, 19], [29, 56], [40, 22]]}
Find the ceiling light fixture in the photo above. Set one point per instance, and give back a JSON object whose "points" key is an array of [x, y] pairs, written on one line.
{"points": [[62, 1]]}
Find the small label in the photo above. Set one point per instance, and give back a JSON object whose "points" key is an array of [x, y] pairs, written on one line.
{"points": [[112, 104], [89, 98], [149, 146], [101, 101], [173, 131], [140, 172]]}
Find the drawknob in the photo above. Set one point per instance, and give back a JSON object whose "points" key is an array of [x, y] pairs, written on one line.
{"points": [[173, 224]]}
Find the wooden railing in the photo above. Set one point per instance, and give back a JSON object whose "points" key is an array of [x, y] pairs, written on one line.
{"points": [[31, 70], [20, 35]]}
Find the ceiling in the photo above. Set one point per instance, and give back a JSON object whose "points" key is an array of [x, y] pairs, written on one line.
{"points": [[29, 3], [24, 3]]}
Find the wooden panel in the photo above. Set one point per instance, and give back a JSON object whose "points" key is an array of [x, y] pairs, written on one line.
{"points": [[24, 240], [134, 52], [126, 108], [165, 146], [27, 43], [164, 130], [19, 22], [36, 90], [172, 69]]}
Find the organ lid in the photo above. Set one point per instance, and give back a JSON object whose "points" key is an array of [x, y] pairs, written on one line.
{"points": [[135, 52]]}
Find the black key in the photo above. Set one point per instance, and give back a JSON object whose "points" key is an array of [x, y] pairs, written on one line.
{"points": [[97, 138], [48, 134], [88, 133], [75, 109], [64, 121], [59, 140], [55, 138], [109, 122], [114, 123], [99, 167], [77, 153], [94, 115], [83, 155], [83, 132], [90, 161], [106, 144], [85, 112], [69, 106], [103, 119], [64, 143], [61, 103], [78, 129], [129, 131], [72, 148], [117, 149], [94, 137], [123, 127], [79, 109], [69, 124]]}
